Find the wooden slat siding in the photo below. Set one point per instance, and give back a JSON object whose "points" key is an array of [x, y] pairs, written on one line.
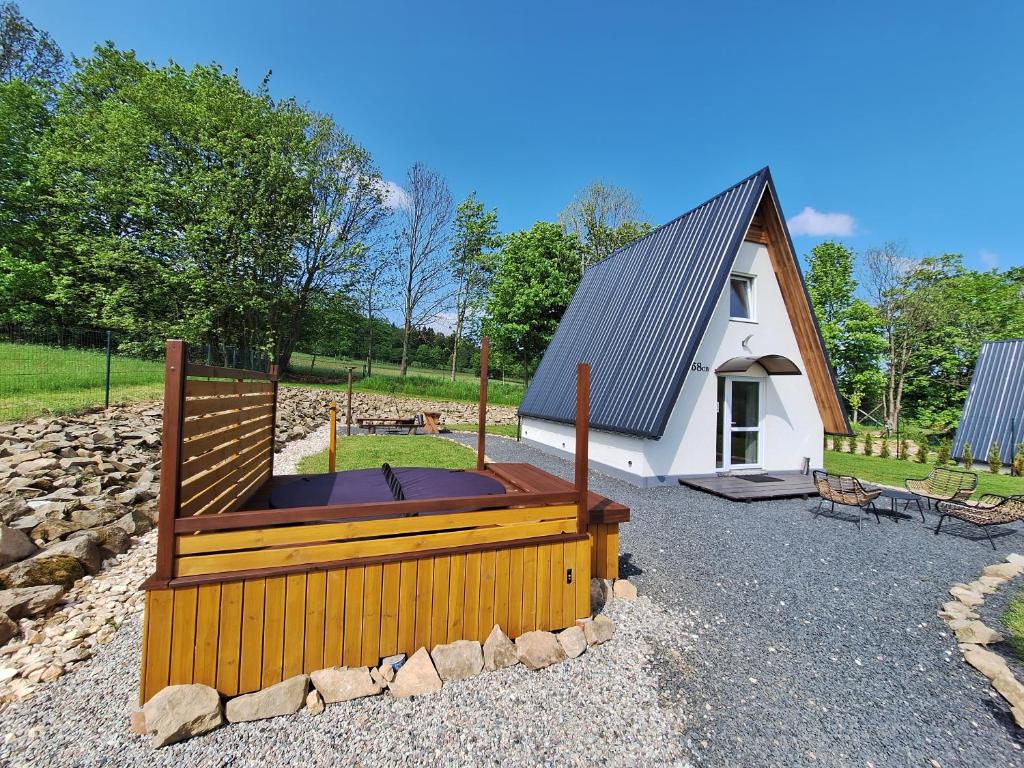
{"points": [[225, 563], [406, 605], [334, 618], [583, 579], [193, 467], [543, 587], [203, 388], [373, 596], [389, 606], [569, 589], [159, 621], [353, 640], [794, 296], [557, 579], [295, 625], [529, 619], [208, 542], [515, 606], [610, 566], [316, 596], [207, 631], [229, 638], [170, 457], [205, 480], [274, 371], [199, 446], [502, 566], [471, 600], [488, 568], [601, 547], [439, 601], [456, 599], [196, 407], [250, 519], [216, 372], [273, 630], [225, 487], [424, 595], [250, 668], [183, 635], [145, 648], [198, 427]]}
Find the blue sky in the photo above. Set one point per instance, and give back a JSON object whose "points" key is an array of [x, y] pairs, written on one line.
{"points": [[904, 120]]}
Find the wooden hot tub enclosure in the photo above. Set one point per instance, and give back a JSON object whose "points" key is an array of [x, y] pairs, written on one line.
{"points": [[244, 595]]}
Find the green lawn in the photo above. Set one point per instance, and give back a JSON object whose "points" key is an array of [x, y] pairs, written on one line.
{"points": [[506, 430], [440, 389], [365, 451], [894, 472], [1013, 620], [304, 363]]}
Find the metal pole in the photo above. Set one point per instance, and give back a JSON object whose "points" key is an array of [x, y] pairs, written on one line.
{"points": [[106, 396], [348, 413], [332, 443]]}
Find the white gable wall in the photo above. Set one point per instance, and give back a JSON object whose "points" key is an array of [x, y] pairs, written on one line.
{"points": [[791, 424]]}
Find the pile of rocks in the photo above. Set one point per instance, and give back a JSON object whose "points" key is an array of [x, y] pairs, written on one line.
{"points": [[179, 712], [974, 635]]}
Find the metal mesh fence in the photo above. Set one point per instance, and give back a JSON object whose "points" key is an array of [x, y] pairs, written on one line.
{"points": [[65, 370]]}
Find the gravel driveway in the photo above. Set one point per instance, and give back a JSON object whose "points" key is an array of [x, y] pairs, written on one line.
{"points": [[762, 637]]}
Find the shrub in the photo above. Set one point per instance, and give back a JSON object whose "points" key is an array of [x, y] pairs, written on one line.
{"points": [[904, 447], [1017, 468], [995, 462], [884, 451], [851, 444], [968, 456], [869, 445], [837, 444], [922, 449], [943, 458]]}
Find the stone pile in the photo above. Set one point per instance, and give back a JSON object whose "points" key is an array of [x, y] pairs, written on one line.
{"points": [[974, 636], [179, 712], [375, 406]]}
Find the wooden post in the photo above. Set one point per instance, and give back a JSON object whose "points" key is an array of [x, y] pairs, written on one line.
{"points": [[348, 411], [274, 370], [170, 457], [582, 446], [332, 440], [481, 428]]}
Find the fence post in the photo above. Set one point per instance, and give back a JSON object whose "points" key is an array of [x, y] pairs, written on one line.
{"points": [[106, 395], [348, 409]]}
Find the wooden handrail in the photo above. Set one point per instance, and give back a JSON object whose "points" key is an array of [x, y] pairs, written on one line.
{"points": [[170, 455], [217, 372], [260, 518], [582, 445]]}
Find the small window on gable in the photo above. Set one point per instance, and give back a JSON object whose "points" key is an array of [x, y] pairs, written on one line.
{"points": [[741, 297]]}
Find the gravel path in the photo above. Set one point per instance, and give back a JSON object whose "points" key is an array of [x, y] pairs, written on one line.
{"points": [[818, 643]]}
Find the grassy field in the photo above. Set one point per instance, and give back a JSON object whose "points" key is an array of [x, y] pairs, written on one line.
{"points": [[427, 388], [1013, 620], [304, 363], [365, 451], [894, 472], [506, 430]]}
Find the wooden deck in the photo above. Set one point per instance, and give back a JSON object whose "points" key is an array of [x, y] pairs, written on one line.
{"points": [[790, 485]]}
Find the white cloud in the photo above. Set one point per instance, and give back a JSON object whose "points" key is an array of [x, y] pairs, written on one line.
{"points": [[988, 259], [394, 196], [443, 322], [819, 224]]}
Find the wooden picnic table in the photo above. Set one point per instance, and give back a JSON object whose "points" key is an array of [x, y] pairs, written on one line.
{"points": [[372, 425]]}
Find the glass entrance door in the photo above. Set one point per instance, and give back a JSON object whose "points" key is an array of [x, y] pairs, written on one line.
{"points": [[739, 430]]}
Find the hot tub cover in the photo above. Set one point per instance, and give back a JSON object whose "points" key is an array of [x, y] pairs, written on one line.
{"points": [[360, 486]]}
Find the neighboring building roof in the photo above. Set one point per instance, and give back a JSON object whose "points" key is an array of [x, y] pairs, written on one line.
{"points": [[995, 402], [638, 317]]}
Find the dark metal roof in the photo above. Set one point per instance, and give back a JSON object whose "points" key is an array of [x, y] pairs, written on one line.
{"points": [[638, 317], [995, 402], [774, 365]]}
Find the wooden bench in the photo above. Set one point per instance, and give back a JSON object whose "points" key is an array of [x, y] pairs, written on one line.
{"points": [[410, 424]]}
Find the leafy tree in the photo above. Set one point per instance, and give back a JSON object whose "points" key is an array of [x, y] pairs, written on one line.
{"points": [[533, 285], [26, 52], [603, 217], [473, 264]]}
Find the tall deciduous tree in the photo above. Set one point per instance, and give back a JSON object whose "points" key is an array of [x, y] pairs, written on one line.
{"points": [[473, 264], [26, 52], [373, 286], [421, 267], [536, 278], [603, 217]]}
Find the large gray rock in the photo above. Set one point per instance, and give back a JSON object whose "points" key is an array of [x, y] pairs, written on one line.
{"points": [[284, 698], [573, 641], [600, 594], [499, 651], [82, 548], [343, 684], [459, 660], [36, 571], [8, 629], [179, 712], [538, 649], [28, 602], [14, 545], [416, 677], [600, 630]]}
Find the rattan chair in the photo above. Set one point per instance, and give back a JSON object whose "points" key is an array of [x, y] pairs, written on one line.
{"points": [[846, 491], [944, 484], [990, 509]]}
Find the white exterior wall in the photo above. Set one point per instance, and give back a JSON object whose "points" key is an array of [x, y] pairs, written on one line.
{"points": [[791, 426]]}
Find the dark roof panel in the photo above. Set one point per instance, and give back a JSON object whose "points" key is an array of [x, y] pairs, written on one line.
{"points": [[638, 317], [995, 402]]}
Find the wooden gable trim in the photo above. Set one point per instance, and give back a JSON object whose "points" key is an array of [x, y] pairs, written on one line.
{"points": [[768, 228]]}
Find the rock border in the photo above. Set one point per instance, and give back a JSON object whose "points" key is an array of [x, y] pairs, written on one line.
{"points": [[179, 712], [973, 635]]}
